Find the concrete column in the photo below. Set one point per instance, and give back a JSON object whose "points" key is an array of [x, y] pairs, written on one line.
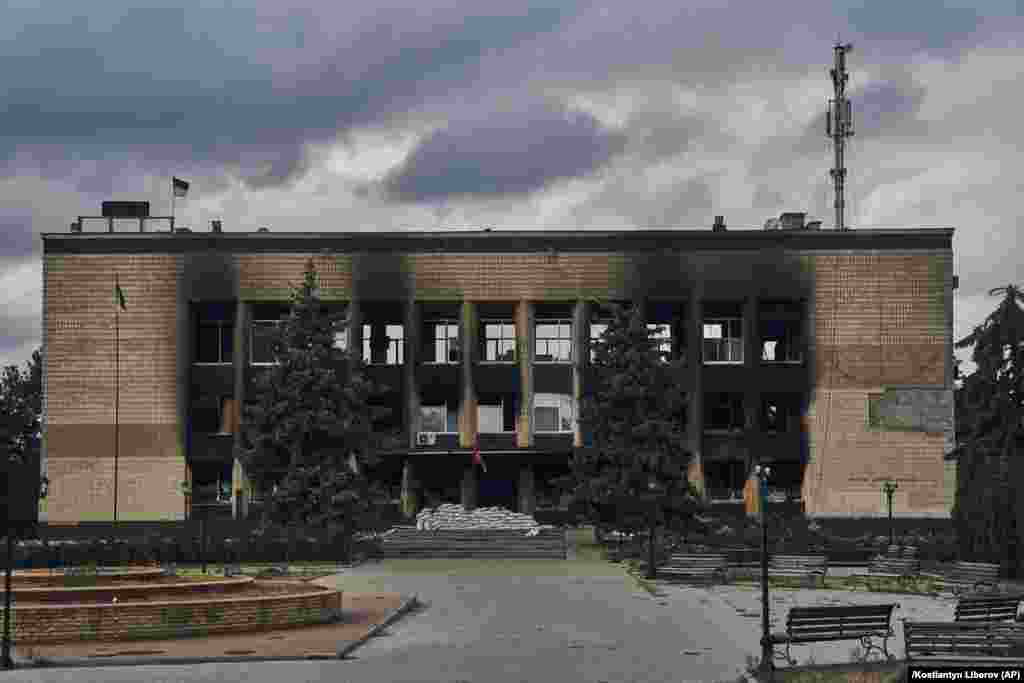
{"points": [[355, 329], [752, 397], [240, 486], [695, 409], [580, 361], [525, 334], [412, 353], [527, 490], [410, 490], [469, 487], [469, 331]]}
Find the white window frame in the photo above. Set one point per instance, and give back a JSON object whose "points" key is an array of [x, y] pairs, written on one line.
{"points": [[444, 413], [252, 345], [503, 323], [563, 402], [557, 339], [443, 341], [725, 338]]}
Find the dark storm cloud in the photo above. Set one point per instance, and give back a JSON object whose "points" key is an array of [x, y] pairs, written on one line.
{"points": [[506, 152], [241, 89], [18, 236]]}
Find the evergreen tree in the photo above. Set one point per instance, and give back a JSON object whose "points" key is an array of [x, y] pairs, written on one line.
{"points": [[21, 407], [310, 433], [988, 513], [633, 419]]}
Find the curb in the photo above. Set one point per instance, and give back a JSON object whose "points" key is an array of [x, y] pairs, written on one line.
{"points": [[349, 646], [344, 648]]}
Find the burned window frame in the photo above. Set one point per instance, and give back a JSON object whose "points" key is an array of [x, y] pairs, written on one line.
{"points": [[499, 341], [561, 325], [728, 340]]}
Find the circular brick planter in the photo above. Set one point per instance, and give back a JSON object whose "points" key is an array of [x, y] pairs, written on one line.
{"points": [[168, 610], [104, 575]]}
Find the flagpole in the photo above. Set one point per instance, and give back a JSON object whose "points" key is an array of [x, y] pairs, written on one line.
{"points": [[173, 193], [117, 383]]}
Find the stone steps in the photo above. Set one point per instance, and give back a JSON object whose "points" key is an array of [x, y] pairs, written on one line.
{"points": [[482, 543]]}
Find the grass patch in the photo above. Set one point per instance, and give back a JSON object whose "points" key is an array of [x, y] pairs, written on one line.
{"points": [[862, 584]]}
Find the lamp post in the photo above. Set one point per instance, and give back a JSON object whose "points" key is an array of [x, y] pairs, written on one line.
{"points": [[655, 489], [889, 488], [767, 664]]}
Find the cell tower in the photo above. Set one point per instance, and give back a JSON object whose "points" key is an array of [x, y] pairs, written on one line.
{"points": [[839, 126]]}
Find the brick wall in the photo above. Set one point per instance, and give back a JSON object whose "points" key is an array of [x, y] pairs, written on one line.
{"points": [[879, 320], [79, 322], [156, 619]]}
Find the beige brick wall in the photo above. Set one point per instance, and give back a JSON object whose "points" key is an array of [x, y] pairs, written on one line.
{"points": [[79, 325], [879, 320]]}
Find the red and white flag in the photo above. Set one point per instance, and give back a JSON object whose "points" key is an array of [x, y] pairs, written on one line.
{"points": [[477, 458]]}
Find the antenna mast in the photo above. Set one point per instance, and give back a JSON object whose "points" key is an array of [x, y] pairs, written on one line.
{"points": [[839, 126]]}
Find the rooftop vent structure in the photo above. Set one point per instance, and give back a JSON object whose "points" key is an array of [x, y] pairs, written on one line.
{"points": [[263, 230], [792, 221], [76, 226], [215, 226], [813, 225], [182, 230], [719, 224]]}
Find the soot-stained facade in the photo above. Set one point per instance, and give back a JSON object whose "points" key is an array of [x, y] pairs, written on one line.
{"points": [[827, 354]]}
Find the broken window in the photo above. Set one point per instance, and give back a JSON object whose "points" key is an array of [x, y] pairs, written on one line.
{"points": [[439, 417], [553, 413], [723, 340], [553, 341], [723, 411], [781, 341], [388, 349], [661, 333], [780, 413], [499, 341], [215, 333], [445, 342], [597, 331], [496, 414]]}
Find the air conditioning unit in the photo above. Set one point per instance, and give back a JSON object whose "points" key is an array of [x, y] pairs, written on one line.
{"points": [[426, 438]]}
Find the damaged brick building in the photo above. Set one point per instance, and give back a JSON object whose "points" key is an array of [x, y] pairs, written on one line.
{"points": [[826, 353]]}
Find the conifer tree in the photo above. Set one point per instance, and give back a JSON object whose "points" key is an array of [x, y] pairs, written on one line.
{"points": [[989, 512], [633, 421], [311, 431]]}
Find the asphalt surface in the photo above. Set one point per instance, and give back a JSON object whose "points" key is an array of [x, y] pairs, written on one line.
{"points": [[501, 627], [537, 621]]}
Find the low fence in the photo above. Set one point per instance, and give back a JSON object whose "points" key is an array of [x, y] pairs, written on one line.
{"points": [[109, 544]]}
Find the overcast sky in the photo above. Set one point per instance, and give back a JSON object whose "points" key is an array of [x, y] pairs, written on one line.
{"points": [[550, 115]]}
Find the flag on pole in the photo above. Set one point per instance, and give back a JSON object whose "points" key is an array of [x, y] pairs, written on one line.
{"points": [[180, 187], [477, 458], [119, 293]]}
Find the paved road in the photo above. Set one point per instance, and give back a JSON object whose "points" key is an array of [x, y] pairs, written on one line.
{"points": [[500, 627]]}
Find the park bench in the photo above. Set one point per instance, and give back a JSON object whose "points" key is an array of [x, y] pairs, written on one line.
{"points": [[950, 642], [987, 608], [964, 577], [886, 566], [689, 568], [810, 568], [865, 623]]}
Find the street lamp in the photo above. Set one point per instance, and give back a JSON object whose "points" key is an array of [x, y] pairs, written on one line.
{"points": [[655, 489], [889, 488], [766, 641]]}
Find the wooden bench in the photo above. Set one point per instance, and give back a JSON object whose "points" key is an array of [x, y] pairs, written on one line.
{"points": [[987, 608], [950, 642], [962, 577], [821, 624], [691, 568], [894, 567], [809, 568]]}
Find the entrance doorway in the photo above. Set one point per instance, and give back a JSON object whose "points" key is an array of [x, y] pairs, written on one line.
{"points": [[497, 490]]}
